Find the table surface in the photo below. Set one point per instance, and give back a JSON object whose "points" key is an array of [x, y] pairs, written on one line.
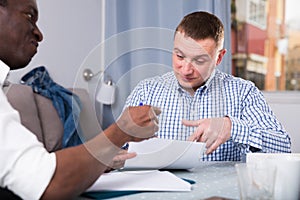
{"points": [[213, 179]]}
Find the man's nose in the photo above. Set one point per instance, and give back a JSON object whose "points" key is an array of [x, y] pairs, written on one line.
{"points": [[187, 66], [38, 34]]}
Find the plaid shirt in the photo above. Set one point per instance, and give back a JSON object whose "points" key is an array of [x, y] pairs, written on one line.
{"points": [[254, 125]]}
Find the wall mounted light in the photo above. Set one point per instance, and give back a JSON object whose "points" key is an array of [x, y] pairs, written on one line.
{"points": [[107, 89]]}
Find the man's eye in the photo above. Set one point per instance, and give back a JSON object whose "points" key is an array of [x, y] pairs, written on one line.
{"points": [[30, 16], [179, 57], [199, 62]]}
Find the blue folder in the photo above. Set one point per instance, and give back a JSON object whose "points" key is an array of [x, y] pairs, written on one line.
{"points": [[114, 194]]}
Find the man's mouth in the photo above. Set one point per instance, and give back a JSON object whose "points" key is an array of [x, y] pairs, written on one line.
{"points": [[35, 43], [187, 79]]}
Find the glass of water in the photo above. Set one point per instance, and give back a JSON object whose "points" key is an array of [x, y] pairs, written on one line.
{"points": [[256, 180]]}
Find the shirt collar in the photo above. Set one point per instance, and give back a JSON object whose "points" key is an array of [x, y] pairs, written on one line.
{"points": [[4, 70], [203, 87], [208, 82]]}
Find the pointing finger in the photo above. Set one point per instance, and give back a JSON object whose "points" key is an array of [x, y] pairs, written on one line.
{"points": [[191, 122]]}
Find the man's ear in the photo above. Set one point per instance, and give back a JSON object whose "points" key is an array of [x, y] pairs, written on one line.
{"points": [[220, 56]]}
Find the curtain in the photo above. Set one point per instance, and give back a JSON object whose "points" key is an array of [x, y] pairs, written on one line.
{"points": [[139, 39]]}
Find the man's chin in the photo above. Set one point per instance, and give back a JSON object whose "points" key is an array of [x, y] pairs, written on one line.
{"points": [[186, 87], [19, 65]]}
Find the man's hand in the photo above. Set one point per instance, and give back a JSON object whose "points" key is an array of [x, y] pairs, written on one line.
{"points": [[139, 122], [212, 131], [119, 160]]}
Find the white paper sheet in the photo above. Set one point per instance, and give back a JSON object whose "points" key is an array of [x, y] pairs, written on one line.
{"points": [[159, 153], [152, 180]]}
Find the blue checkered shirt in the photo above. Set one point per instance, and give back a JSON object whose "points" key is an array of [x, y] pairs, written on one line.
{"points": [[254, 125]]}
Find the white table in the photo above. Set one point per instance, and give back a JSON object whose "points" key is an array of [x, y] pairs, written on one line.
{"points": [[213, 179]]}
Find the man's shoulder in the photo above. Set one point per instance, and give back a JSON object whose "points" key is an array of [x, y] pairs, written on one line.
{"points": [[225, 77], [233, 84], [159, 79]]}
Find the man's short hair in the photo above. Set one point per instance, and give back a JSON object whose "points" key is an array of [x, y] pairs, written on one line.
{"points": [[202, 25], [3, 2]]}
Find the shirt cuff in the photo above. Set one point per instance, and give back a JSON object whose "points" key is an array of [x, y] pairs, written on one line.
{"points": [[241, 134]]}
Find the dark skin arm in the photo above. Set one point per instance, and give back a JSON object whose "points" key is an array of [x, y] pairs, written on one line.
{"points": [[78, 167]]}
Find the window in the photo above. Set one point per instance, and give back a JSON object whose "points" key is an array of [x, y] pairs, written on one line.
{"points": [[265, 43], [257, 12]]}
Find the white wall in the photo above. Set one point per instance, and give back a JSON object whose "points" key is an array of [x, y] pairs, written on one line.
{"points": [[71, 30], [286, 106]]}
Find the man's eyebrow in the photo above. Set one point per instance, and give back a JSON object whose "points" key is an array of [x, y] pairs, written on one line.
{"points": [[201, 56], [196, 57], [176, 49], [33, 9]]}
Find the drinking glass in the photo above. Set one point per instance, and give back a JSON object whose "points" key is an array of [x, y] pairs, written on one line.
{"points": [[256, 180]]}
